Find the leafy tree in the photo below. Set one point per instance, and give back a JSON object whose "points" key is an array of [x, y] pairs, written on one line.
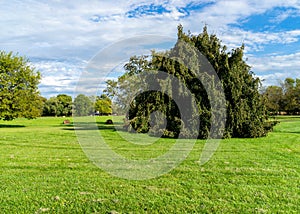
{"points": [[297, 96], [61, 105], [19, 95], [64, 105], [103, 105], [284, 98], [246, 111], [119, 90], [83, 105], [289, 101], [50, 107], [274, 97]]}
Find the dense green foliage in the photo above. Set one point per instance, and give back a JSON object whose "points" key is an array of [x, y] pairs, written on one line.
{"points": [[61, 105], [83, 105], [103, 105], [19, 95], [284, 98], [43, 170], [246, 111]]}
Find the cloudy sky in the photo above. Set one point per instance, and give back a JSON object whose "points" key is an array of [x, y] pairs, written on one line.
{"points": [[60, 37]]}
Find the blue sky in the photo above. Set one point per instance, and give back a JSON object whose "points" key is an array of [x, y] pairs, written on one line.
{"points": [[60, 37]]}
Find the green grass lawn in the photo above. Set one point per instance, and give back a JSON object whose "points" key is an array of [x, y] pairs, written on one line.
{"points": [[44, 170]]}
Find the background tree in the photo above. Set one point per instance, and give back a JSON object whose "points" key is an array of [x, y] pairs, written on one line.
{"points": [[297, 96], [284, 98], [120, 90], [19, 95], [61, 105], [274, 96], [83, 105], [50, 107], [290, 99], [64, 105], [246, 111], [103, 105]]}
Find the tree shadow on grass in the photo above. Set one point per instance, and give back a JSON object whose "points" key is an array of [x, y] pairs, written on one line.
{"points": [[92, 126], [11, 126], [287, 132], [293, 132]]}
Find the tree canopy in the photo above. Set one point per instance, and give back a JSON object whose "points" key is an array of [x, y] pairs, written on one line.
{"points": [[103, 105], [246, 110], [19, 95], [61, 105], [83, 105], [284, 98]]}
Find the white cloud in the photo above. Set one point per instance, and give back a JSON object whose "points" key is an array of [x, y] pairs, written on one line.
{"points": [[274, 68], [277, 62], [58, 76], [77, 30], [255, 41]]}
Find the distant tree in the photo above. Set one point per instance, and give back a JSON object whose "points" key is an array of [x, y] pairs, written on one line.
{"points": [[64, 105], [284, 98], [19, 95], [61, 105], [274, 99], [297, 96], [291, 97], [118, 98], [83, 105], [119, 90], [103, 105], [50, 107]]}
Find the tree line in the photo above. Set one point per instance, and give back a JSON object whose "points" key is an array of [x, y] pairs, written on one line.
{"points": [[283, 98], [20, 97], [63, 105]]}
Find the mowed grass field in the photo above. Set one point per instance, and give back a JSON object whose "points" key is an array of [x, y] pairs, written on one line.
{"points": [[44, 170]]}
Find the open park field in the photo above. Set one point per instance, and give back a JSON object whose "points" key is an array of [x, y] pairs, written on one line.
{"points": [[44, 170]]}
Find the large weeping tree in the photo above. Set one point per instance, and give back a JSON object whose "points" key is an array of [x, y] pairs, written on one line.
{"points": [[246, 115], [19, 95]]}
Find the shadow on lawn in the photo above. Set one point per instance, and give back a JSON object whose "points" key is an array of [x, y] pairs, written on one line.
{"points": [[293, 132], [287, 132], [11, 126], [95, 126]]}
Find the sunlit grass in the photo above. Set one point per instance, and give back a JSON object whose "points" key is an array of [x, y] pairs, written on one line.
{"points": [[43, 169]]}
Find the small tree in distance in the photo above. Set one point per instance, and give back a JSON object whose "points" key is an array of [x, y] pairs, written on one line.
{"points": [[284, 98], [103, 105], [61, 105], [83, 105]]}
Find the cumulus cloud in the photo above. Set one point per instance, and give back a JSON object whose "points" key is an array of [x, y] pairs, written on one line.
{"points": [[277, 62], [256, 41], [64, 35], [275, 68], [58, 76]]}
